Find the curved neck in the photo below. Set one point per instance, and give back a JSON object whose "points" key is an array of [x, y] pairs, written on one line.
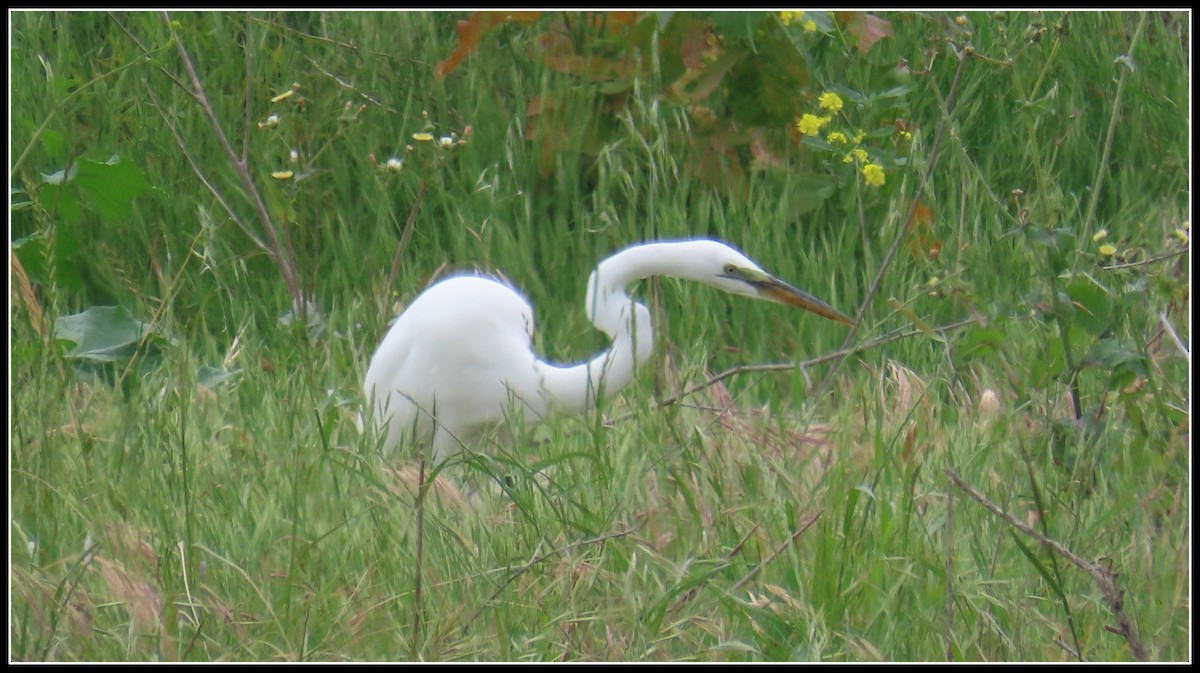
{"points": [[607, 288], [577, 388]]}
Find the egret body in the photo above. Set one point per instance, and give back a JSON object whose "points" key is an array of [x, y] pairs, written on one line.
{"points": [[460, 359]]}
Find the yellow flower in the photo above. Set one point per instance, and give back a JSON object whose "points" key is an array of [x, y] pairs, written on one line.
{"points": [[858, 137], [810, 26], [907, 135], [1100, 235], [1108, 250], [786, 18], [282, 175], [837, 137], [1182, 236], [810, 124], [860, 155], [423, 137], [873, 173], [830, 101]]}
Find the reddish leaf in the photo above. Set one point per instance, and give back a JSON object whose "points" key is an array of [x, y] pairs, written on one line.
{"points": [[923, 243], [471, 32], [868, 28], [695, 42], [760, 149]]}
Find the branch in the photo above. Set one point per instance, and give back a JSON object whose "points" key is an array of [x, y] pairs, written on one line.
{"points": [[804, 526], [553, 552], [894, 335], [1104, 576], [274, 248]]}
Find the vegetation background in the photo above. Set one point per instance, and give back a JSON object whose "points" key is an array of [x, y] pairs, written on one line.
{"points": [[213, 216]]}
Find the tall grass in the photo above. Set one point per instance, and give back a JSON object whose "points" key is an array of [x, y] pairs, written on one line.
{"points": [[1008, 433]]}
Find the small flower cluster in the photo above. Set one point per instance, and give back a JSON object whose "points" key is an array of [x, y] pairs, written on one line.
{"points": [[1106, 249], [273, 120], [811, 124], [787, 18], [395, 164]]}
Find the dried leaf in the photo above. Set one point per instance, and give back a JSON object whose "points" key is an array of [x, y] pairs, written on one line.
{"points": [[867, 28], [922, 242], [471, 32]]}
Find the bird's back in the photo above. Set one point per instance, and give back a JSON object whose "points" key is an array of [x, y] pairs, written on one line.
{"points": [[462, 350]]}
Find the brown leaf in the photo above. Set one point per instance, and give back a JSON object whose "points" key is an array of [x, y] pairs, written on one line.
{"points": [[694, 44], [922, 242], [868, 28], [471, 32]]}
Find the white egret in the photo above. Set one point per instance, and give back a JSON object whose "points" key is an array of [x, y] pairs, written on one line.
{"points": [[460, 359]]}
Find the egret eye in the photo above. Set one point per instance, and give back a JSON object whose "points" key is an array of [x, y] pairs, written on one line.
{"points": [[730, 270]]}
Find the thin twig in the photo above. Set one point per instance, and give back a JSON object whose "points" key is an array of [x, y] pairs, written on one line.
{"points": [[1104, 576], [1145, 262], [1170, 330], [241, 224], [404, 235], [542, 557], [894, 335], [804, 526], [1102, 164], [331, 42], [247, 119], [422, 489], [275, 248], [950, 576], [347, 85], [725, 563]]}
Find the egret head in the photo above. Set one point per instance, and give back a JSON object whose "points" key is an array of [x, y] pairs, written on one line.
{"points": [[733, 272]]}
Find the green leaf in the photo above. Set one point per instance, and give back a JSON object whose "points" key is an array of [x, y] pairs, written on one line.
{"points": [[61, 176], [737, 25], [34, 253], [211, 377], [55, 145], [63, 85], [810, 190], [14, 202], [1048, 364], [1123, 364], [112, 185], [981, 342], [102, 333], [1093, 304], [62, 202]]}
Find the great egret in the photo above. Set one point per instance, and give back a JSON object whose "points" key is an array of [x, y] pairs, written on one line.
{"points": [[460, 359]]}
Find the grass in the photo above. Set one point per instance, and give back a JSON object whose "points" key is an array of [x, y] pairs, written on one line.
{"points": [[1015, 487]]}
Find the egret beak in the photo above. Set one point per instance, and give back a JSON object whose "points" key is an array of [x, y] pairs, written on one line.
{"points": [[770, 287]]}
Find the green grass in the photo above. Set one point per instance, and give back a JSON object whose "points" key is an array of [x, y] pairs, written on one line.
{"points": [[808, 514]]}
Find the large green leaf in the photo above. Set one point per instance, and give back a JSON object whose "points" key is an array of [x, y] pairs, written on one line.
{"points": [[1093, 304], [112, 185], [102, 333]]}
